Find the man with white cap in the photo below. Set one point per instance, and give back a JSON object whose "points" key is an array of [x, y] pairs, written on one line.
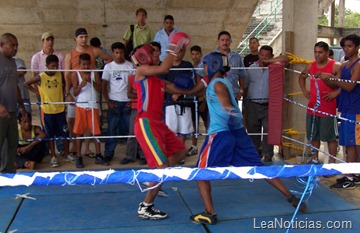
{"points": [[38, 59]]}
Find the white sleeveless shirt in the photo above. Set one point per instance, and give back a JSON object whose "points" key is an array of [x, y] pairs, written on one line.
{"points": [[88, 96]]}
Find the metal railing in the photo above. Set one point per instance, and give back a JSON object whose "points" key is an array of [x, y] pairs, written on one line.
{"points": [[275, 8]]}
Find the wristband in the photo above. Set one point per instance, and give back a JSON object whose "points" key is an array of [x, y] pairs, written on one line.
{"points": [[204, 82]]}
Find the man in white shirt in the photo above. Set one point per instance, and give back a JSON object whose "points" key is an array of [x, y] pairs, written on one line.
{"points": [[114, 89]]}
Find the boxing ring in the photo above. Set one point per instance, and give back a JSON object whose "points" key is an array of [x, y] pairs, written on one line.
{"points": [[106, 200]]}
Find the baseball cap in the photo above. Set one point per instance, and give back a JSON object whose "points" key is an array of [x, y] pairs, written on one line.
{"points": [[46, 35], [80, 31]]}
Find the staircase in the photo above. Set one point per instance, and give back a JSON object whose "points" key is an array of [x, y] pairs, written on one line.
{"points": [[265, 24]]}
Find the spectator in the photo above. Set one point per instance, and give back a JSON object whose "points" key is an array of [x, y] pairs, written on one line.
{"points": [[143, 33], [38, 60], [99, 63], [235, 76], [38, 65], [164, 34], [9, 95], [178, 115], [72, 63], [50, 88], [348, 104], [29, 152], [254, 52], [196, 56], [331, 54], [256, 103], [320, 126], [85, 87], [115, 83], [20, 64]]}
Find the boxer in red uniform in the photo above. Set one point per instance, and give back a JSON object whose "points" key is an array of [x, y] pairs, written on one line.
{"points": [[162, 148]]}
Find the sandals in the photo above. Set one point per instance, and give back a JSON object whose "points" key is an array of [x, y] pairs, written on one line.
{"points": [[29, 165]]}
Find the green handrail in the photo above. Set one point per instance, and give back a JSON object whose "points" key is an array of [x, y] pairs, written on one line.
{"points": [[265, 22]]}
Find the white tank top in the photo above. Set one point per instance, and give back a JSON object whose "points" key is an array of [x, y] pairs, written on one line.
{"points": [[88, 96]]}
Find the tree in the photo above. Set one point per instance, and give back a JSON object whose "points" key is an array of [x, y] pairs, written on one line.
{"points": [[323, 20], [352, 19]]}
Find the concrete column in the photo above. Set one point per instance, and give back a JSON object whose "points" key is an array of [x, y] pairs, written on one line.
{"points": [[341, 13], [299, 37], [331, 19]]}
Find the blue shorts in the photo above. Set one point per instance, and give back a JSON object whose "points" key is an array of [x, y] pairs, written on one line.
{"points": [[228, 148], [349, 131], [55, 125]]}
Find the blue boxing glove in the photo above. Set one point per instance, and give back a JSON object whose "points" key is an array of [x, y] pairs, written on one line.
{"points": [[184, 80]]}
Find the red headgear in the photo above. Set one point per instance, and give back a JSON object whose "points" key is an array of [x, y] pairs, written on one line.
{"points": [[142, 55]]}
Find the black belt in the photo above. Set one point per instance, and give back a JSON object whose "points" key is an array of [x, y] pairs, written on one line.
{"points": [[264, 103]]}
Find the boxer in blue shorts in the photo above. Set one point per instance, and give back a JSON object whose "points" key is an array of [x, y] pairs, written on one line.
{"points": [[227, 142]]}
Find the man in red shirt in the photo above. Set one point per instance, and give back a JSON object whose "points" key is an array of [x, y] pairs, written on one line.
{"points": [[320, 126]]}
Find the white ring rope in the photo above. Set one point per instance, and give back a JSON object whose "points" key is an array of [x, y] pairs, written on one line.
{"points": [[132, 69], [309, 145], [195, 68], [325, 113], [331, 79], [114, 136]]}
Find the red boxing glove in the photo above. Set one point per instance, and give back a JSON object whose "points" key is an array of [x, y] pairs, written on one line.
{"points": [[177, 42], [142, 55]]}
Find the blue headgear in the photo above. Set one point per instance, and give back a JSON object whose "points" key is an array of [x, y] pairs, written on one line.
{"points": [[216, 62]]}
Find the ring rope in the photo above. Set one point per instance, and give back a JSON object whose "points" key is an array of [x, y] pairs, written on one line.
{"points": [[175, 174], [290, 145], [295, 93], [310, 184], [317, 105], [325, 113], [330, 79], [343, 80], [294, 59], [115, 136], [195, 68], [292, 132], [132, 69], [309, 145]]}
